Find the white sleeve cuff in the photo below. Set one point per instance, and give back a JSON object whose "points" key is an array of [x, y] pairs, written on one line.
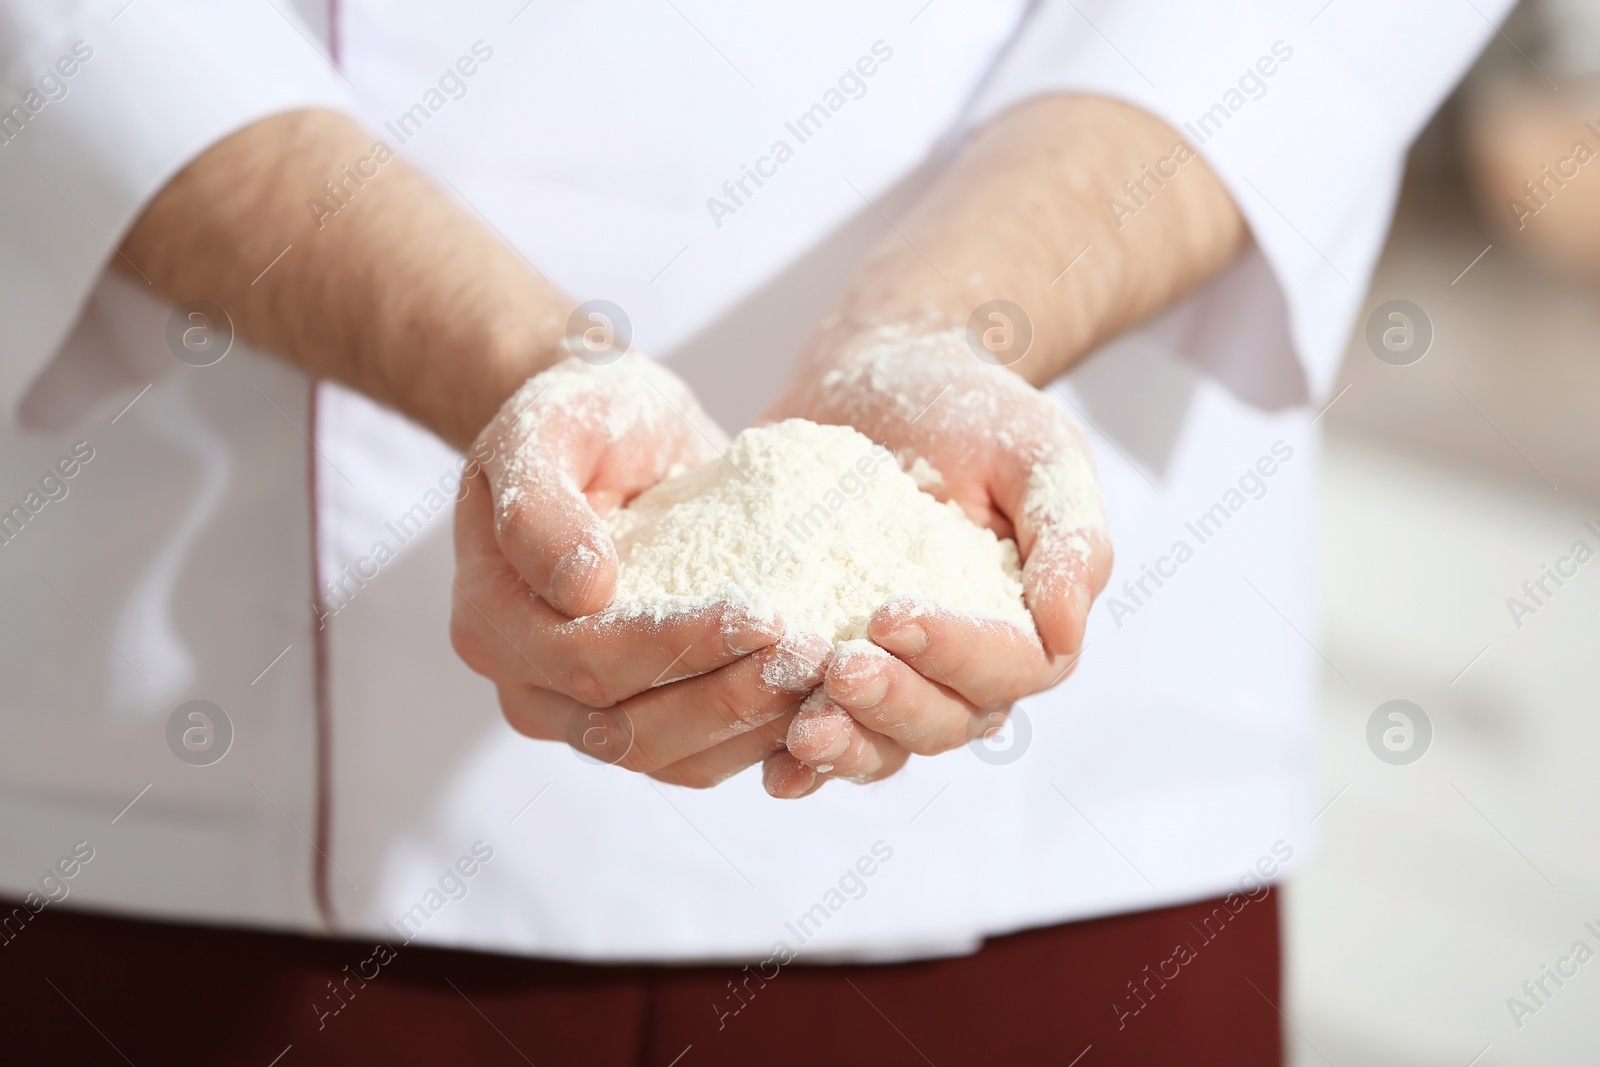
{"points": [[102, 107], [1306, 122]]}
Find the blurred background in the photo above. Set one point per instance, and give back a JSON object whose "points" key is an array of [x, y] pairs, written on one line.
{"points": [[1444, 884]]}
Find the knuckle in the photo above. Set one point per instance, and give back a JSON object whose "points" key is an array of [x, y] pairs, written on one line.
{"points": [[516, 530], [604, 734], [639, 759], [952, 657], [743, 710], [640, 756], [890, 716], [534, 712]]}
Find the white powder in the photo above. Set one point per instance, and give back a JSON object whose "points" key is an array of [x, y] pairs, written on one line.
{"points": [[615, 401], [925, 474], [932, 378], [815, 524], [1064, 500]]}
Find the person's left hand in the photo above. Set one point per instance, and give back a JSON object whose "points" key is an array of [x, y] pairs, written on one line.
{"points": [[1015, 463]]}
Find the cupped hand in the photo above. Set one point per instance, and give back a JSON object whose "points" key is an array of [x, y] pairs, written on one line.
{"points": [[690, 698], [1016, 463]]}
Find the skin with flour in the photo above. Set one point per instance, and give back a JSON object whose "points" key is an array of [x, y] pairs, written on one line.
{"points": [[1012, 461], [1019, 216], [410, 299]]}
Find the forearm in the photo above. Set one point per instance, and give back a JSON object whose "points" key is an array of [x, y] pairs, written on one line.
{"points": [[1022, 215], [401, 294]]}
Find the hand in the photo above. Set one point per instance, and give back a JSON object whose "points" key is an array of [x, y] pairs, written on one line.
{"points": [[1014, 462], [689, 699]]}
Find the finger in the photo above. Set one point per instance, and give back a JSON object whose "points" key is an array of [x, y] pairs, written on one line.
{"points": [[602, 661], [673, 722], [604, 735], [598, 661], [721, 762], [504, 633], [786, 778], [616, 735], [825, 738], [537, 713], [595, 660], [576, 438], [985, 661], [479, 544], [1053, 499], [890, 698], [545, 525], [1063, 574]]}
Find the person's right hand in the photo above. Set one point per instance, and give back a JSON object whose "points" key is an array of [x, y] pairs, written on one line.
{"points": [[689, 699]]}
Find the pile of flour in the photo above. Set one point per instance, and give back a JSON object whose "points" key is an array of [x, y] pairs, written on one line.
{"points": [[912, 373], [815, 524]]}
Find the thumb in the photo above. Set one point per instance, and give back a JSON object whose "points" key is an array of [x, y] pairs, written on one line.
{"points": [[546, 528], [1056, 508]]}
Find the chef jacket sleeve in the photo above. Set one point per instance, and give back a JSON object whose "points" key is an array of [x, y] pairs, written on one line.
{"points": [[101, 103], [1304, 111]]}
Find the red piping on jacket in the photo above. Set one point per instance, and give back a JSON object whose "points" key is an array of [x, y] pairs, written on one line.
{"points": [[321, 702]]}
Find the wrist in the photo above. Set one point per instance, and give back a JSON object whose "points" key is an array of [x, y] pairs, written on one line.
{"points": [[944, 343], [1031, 308], [859, 373], [1021, 216], [529, 338]]}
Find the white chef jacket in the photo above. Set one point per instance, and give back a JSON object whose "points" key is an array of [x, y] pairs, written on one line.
{"points": [[369, 770]]}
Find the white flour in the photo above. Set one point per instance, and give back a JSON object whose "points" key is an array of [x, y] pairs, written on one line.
{"points": [[615, 400], [815, 524], [913, 373]]}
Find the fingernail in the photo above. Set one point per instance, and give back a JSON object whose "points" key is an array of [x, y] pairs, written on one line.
{"points": [[574, 573], [867, 696], [821, 731], [823, 759], [833, 751], [907, 640], [745, 636], [797, 664], [786, 782]]}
